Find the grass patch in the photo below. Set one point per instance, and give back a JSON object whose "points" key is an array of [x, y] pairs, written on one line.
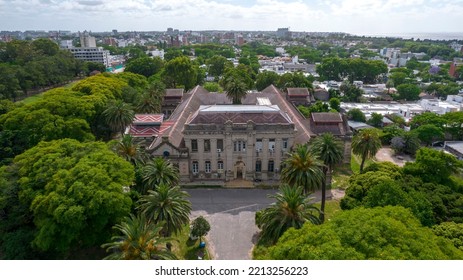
{"points": [[355, 162], [32, 99], [331, 208], [187, 249], [341, 175]]}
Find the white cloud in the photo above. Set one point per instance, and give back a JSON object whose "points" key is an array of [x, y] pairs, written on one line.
{"points": [[354, 16]]}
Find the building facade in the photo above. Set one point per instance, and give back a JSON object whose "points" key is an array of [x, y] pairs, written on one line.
{"points": [[210, 139], [97, 54]]}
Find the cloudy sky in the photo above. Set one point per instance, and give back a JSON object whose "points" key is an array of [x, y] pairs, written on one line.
{"points": [[352, 16]]}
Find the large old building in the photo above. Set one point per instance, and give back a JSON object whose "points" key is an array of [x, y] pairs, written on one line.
{"points": [[209, 139]]}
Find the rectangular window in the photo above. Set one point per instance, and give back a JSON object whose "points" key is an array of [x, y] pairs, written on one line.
{"points": [[194, 145], [207, 145], [271, 166], [285, 143], [258, 166], [220, 144], [271, 144], [239, 146], [195, 167], [259, 145], [208, 167], [220, 166]]}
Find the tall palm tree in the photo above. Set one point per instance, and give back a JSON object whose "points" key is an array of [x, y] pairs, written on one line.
{"points": [[302, 168], [366, 144], [291, 209], [118, 115], [151, 101], [168, 205], [330, 151], [139, 240], [159, 171], [130, 151], [236, 90]]}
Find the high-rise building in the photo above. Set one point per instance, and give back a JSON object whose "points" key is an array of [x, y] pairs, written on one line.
{"points": [[87, 41]]}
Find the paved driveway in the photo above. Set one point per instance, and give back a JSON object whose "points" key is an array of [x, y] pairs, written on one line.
{"points": [[231, 215]]}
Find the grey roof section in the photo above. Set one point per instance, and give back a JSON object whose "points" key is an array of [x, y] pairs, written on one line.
{"points": [[239, 108], [358, 125], [456, 146], [199, 96], [174, 92]]}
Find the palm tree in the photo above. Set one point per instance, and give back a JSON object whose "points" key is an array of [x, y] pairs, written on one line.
{"points": [[157, 172], [168, 205], [330, 151], [291, 209], [151, 101], [130, 151], [236, 90], [118, 116], [366, 144], [302, 168], [139, 240]]}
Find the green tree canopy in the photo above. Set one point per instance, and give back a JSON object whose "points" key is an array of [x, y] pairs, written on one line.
{"points": [[74, 193], [433, 166], [180, 71], [139, 240], [356, 115], [169, 205], [146, 66], [408, 92], [200, 227], [376, 120], [302, 169], [217, 65], [291, 210], [366, 144], [387, 233], [429, 133], [265, 79]]}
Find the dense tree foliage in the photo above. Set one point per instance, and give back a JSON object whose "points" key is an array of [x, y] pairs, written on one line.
{"points": [[216, 66], [145, 66], [408, 92], [291, 210], [200, 227], [337, 69], [27, 65], [302, 169], [356, 115], [139, 239], [180, 72], [388, 233], [168, 205], [60, 113], [70, 194]]}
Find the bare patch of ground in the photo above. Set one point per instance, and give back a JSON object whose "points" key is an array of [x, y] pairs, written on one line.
{"points": [[387, 154]]}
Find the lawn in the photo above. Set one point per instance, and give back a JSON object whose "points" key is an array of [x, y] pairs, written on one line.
{"points": [[32, 99], [340, 177], [355, 162], [331, 208], [187, 249]]}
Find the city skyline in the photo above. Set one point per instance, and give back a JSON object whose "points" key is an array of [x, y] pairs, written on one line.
{"points": [[368, 17]]}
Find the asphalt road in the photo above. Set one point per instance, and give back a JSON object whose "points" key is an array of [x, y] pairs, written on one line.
{"points": [[231, 215]]}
